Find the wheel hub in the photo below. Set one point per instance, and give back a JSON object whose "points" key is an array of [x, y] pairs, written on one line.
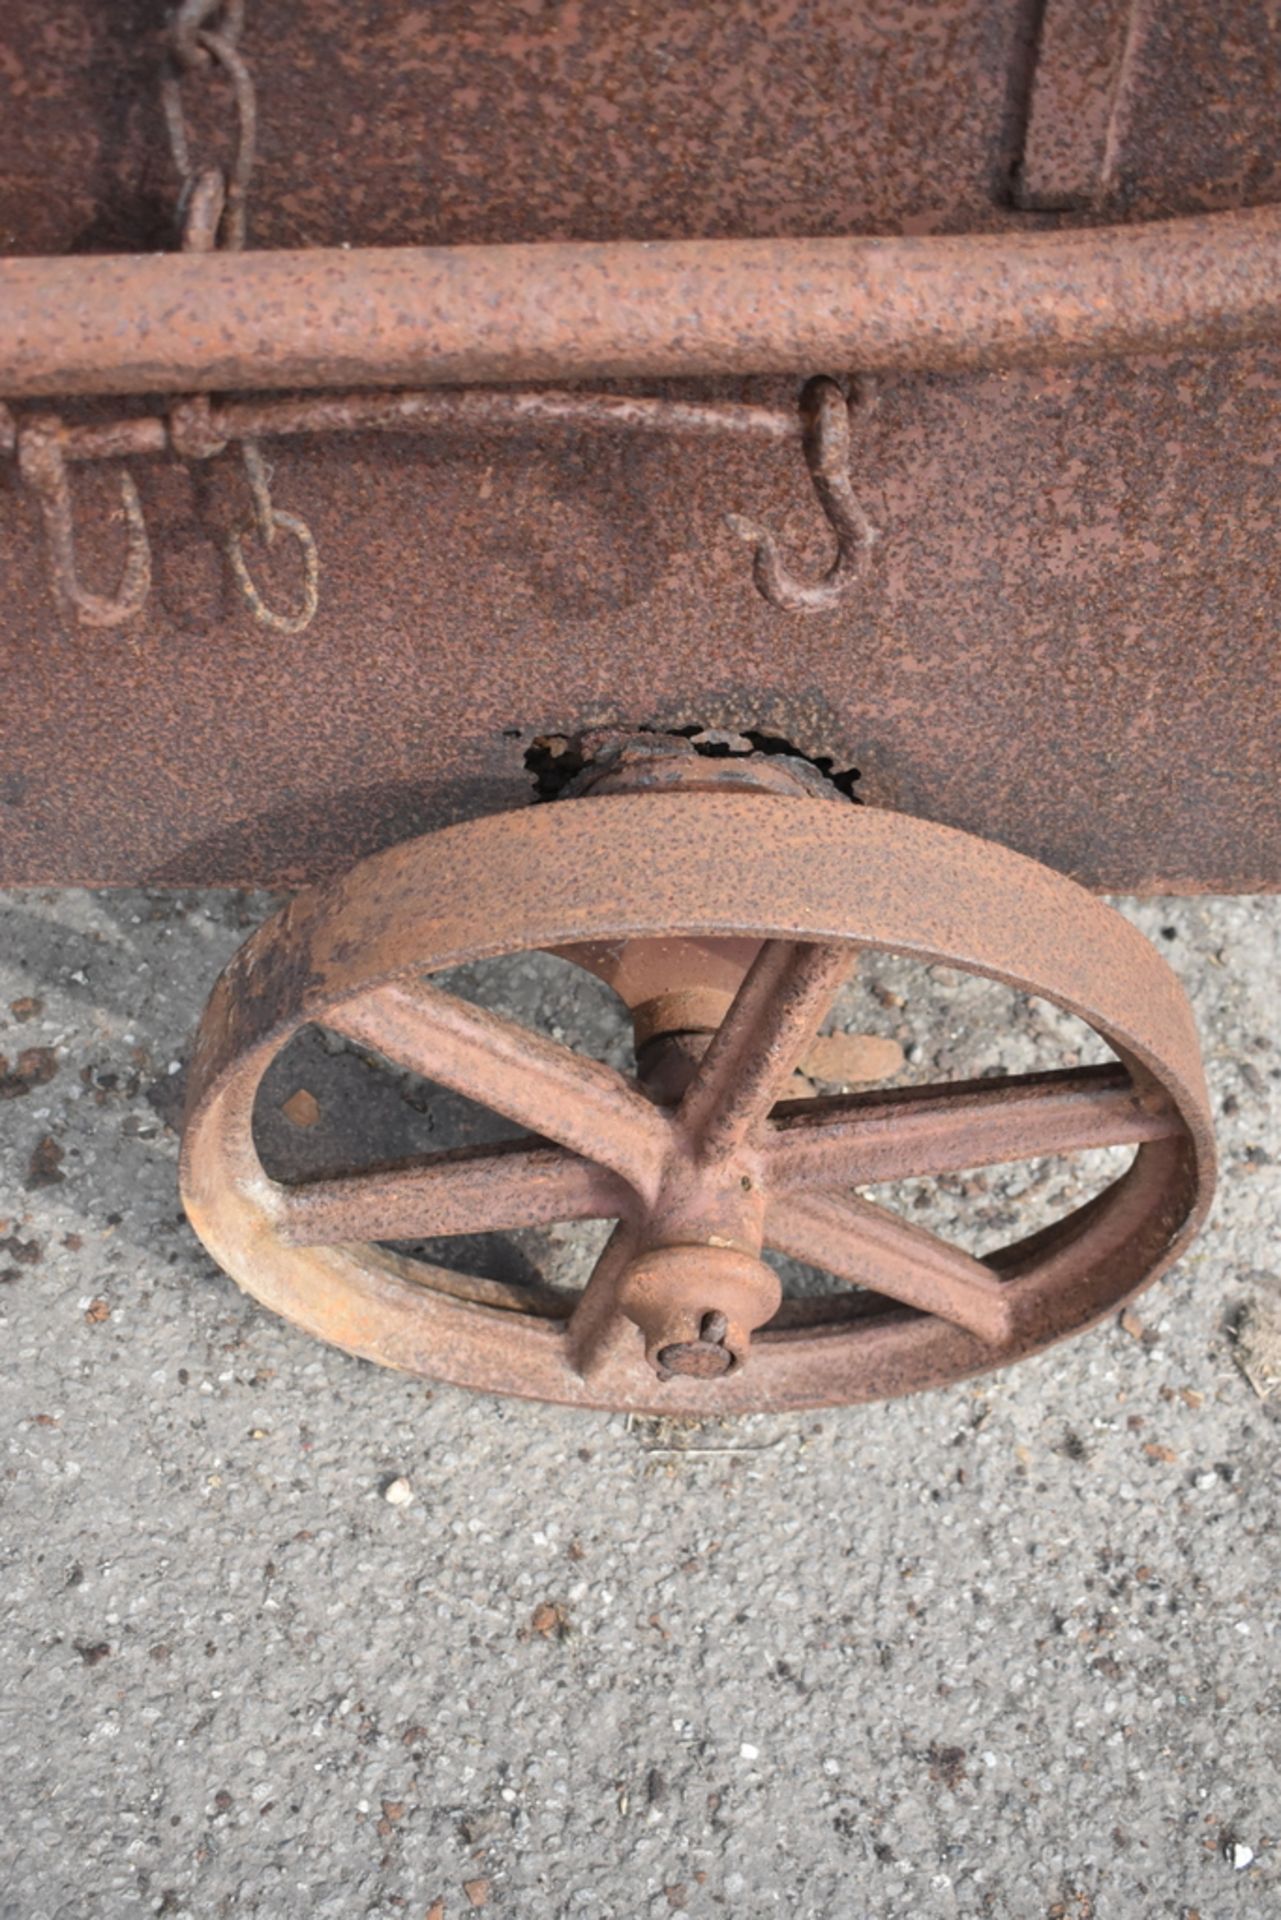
{"points": [[698, 1306]]}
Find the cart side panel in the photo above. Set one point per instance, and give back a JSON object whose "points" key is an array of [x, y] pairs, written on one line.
{"points": [[1066, 636]]}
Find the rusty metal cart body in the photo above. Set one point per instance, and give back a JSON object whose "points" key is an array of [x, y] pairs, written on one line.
{"points": [[834, 444]]}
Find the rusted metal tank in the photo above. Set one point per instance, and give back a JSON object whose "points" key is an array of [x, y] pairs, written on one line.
{"points": [[396, 401]]}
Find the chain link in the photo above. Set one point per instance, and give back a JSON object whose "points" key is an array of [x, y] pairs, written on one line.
{"points": [[197, 49], [267, 519], [213, 208], [192, 17]]}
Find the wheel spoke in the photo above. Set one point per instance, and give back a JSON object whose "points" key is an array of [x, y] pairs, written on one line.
{"points": [[872, 1248], [901, 1133], [471, 1190], [555, 1092], [774, 1016], [596, 1327]]}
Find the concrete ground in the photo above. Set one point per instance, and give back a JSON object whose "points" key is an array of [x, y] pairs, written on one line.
{"points": [[1005, 1650]]}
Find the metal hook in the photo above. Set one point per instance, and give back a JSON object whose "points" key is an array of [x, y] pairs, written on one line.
{"points": [[43, 467], [825, 431], [268, 518]]}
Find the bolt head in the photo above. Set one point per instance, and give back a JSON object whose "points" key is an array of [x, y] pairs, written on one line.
{"points": [[706, 1358], [697, 1307]]}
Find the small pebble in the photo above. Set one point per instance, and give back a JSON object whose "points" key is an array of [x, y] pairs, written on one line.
{"points": [[1241, 1857], [398, 1493], [749, 1752]]}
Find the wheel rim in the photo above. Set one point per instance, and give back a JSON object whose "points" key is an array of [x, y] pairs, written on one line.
{"points": [[818, 884]]}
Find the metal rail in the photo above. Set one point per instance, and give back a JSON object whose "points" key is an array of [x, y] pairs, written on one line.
{"points": [[474, 410], [205, 322]]}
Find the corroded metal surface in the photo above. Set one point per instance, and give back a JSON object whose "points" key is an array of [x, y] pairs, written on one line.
{"points": [[1195, 117], [478, 121], [1083, 91], [1064, 638], [482, 121], [672, 1317], [951, 303]]}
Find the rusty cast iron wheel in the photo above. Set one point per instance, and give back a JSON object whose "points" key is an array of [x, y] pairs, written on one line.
{"points": [[691, 901]]}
